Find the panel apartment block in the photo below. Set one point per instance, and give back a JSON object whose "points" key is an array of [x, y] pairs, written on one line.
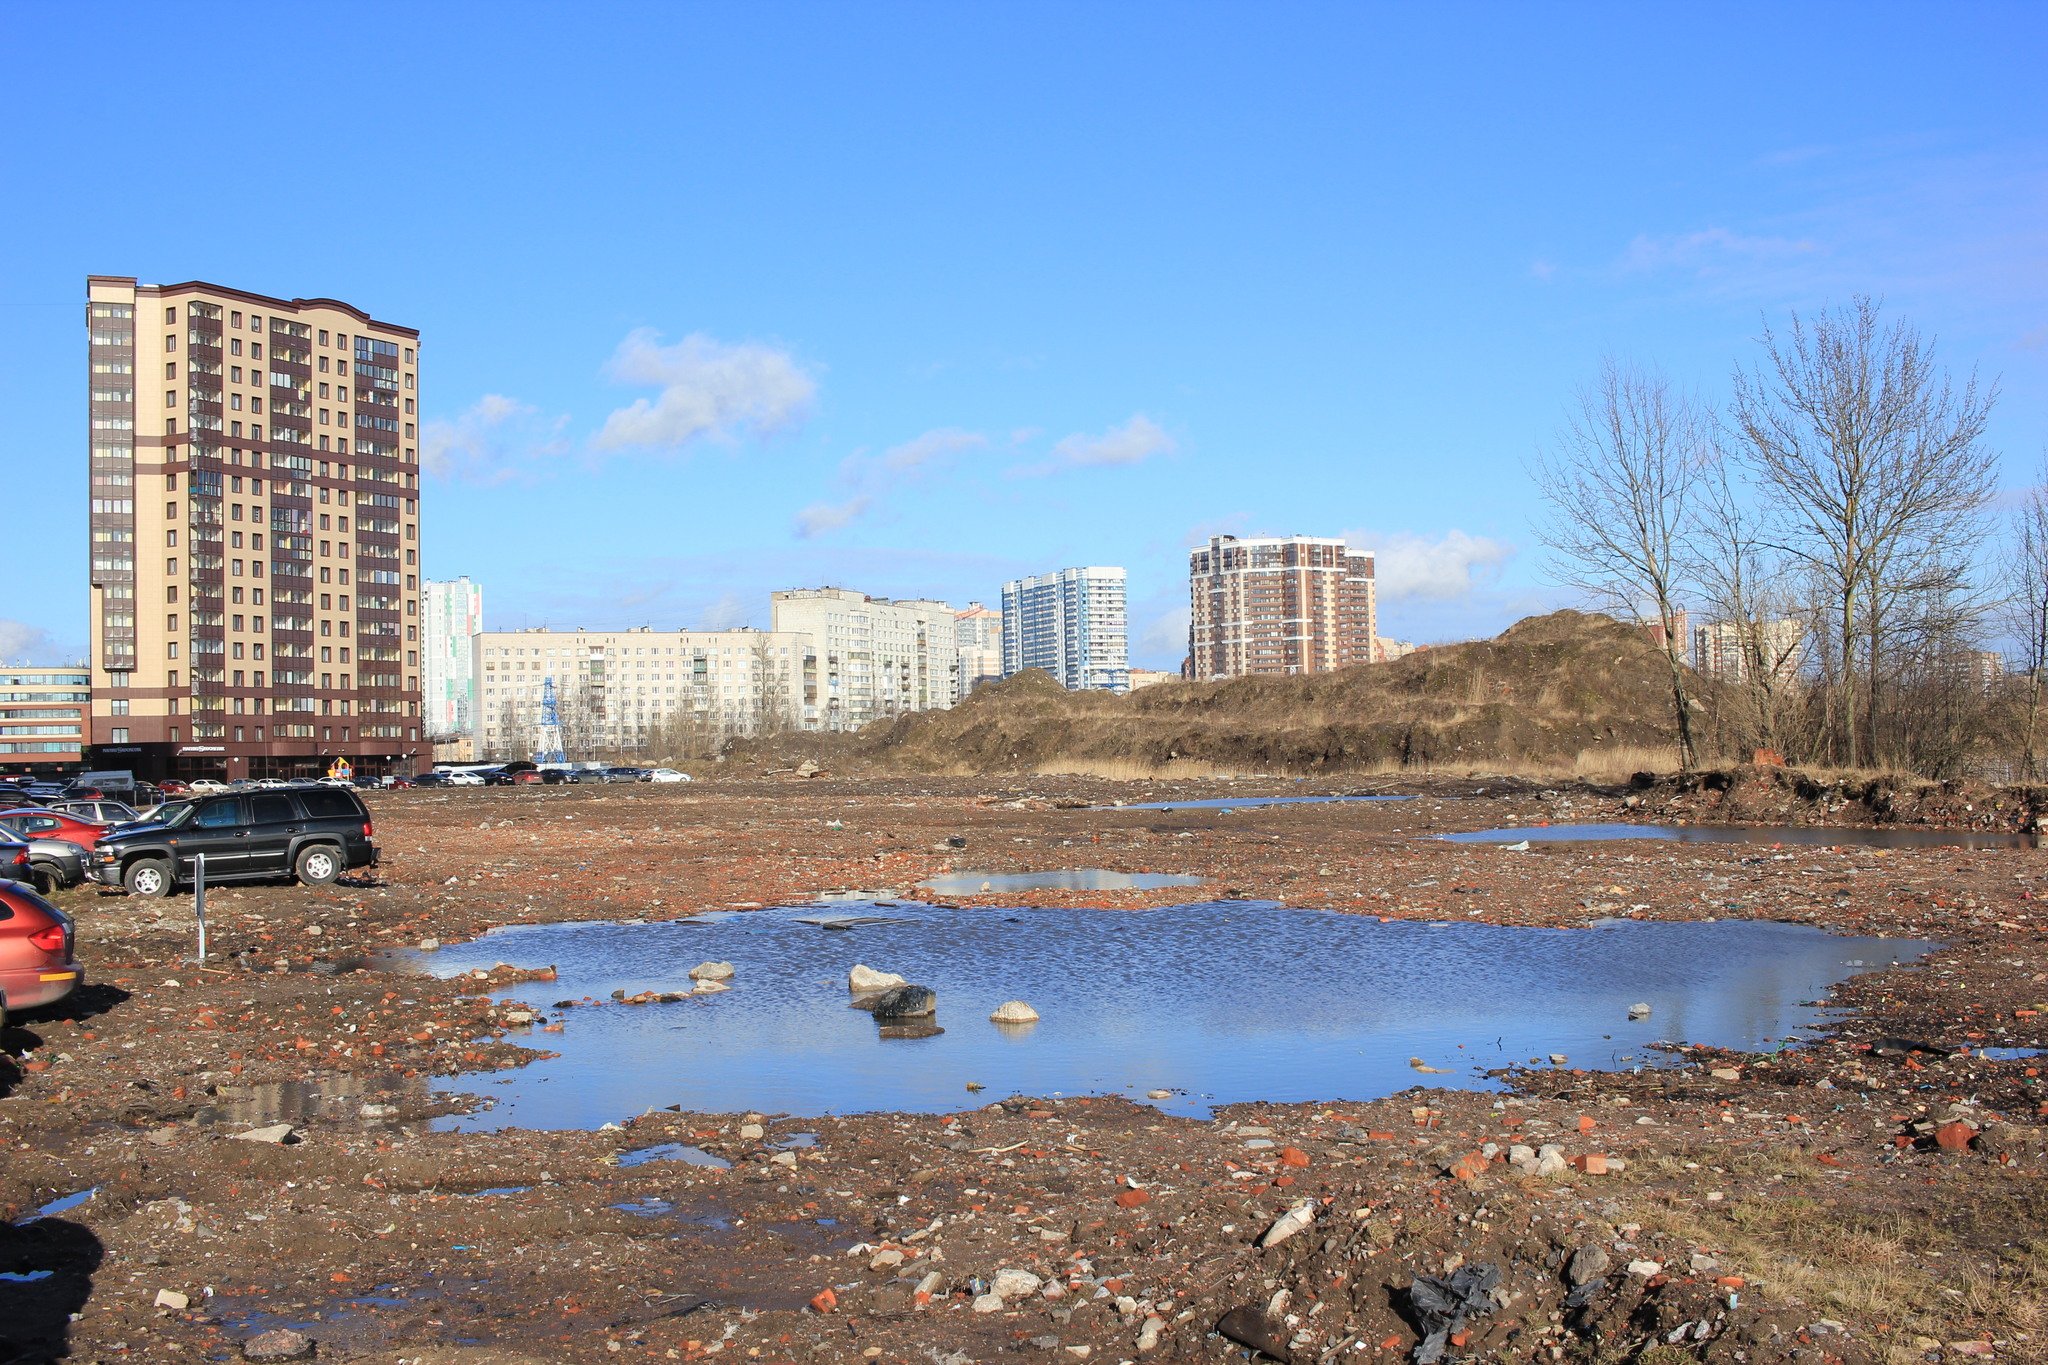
{"points": [[255, 533], [1071, 623], [1279, 605], [876, 658], [620, 691]]}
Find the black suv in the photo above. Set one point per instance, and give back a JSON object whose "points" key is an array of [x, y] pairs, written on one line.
{"points": [[312, 833]]}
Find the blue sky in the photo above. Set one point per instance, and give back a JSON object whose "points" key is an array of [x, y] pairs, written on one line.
{"points": [[717, 299]]}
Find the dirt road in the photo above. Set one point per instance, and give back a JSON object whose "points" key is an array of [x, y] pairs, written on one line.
{"points": [[1840, 1201]]}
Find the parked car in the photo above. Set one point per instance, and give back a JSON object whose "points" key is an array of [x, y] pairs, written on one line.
{"points": [[430, 780], [41, 822], [314, 834], [528, 777], [399, 780], [171, 786], [14, 858], [202, 785], [36, 939], [100, 811], [666, 775], [464, 779]]}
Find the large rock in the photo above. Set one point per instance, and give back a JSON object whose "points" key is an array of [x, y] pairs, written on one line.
{"points": [[903, 1002], [1015, 1284], [711, 971], [1589, 1262], [863, 979], [1014, 1012], [280, 1343]]}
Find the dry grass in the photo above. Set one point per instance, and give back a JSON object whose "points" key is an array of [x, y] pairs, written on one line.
{"points": [[1131, 770], [1870, 1265]]}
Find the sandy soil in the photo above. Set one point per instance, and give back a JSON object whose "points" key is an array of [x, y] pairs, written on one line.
{"points": [[1850, 1200]]}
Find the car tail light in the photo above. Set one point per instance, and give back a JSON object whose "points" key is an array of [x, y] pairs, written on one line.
{"points": [[50, 940], [369, 829], [21, 855]]}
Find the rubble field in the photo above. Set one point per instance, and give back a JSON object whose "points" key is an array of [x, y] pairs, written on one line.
{"points": [[1873, 1194]]}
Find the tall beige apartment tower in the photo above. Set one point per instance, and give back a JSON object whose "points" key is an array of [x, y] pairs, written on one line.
{"points": [[1279, 605], [254, 478]]}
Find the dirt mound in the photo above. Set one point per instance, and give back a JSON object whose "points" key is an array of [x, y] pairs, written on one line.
{"points": [[1548, 690]]}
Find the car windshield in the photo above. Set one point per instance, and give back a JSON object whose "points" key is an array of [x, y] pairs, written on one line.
{"points": [[175, 813]]}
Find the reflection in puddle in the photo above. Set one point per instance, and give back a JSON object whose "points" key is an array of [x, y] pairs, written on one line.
{"points": [[1752, 834], [64, 1205], [351, 1324], [369, 1101], [1245, 802], [1072, 879], [1216, 1002], [674, 1151]]}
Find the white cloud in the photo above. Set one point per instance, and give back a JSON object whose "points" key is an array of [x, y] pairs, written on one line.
{"points": [[710, 390], [821, 517], [867, 477], [1134, 442], [1409, 566], [922, 450], [729, 612], [1705, 250], [1168, 633], [496, 438], [25, 643]]}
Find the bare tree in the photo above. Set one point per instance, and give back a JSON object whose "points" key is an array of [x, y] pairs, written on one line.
{"points": [[2026, 610], [1869, 456], [1620, 484], [1757, 621]]}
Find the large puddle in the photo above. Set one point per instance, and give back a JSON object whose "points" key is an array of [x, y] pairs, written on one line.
{"points": [[1752, 834], [1215, 1002], [1242, 802], [1070, 879]]}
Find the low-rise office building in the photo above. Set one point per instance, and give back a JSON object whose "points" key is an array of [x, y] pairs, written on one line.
{"points": [[42, 719]]}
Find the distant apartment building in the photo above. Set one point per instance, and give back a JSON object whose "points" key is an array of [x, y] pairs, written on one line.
{"points": [[1726, 649], [42, 719], [877, 659], [978, 634], [451, 617], [1279, 604], [255, 529], [1151, 677], [1071, 623], [1386, 651], [617, 691]]}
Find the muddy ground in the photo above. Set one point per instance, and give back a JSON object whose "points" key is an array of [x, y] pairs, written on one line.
{"points": [[1847, 1200]]}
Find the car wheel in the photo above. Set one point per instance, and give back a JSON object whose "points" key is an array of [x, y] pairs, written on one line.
{"points": [[48, 879], [318, 864], [148, 877]]}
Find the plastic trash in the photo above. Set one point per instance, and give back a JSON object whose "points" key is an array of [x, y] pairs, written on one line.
{"points": [[1442, 1303]]}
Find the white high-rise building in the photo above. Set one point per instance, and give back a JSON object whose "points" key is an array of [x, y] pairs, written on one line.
{"points": [[1073, 625], [451, 618], [876, 658]]}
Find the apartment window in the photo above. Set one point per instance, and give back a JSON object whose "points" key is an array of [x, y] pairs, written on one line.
{"points": [[120, 734]]}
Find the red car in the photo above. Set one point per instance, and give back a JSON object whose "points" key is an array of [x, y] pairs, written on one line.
{"points": [[36, 967], [171, 786], [52, 824]]}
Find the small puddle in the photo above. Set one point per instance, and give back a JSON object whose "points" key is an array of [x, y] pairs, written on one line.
{"points": [[1071, 879], [1753, 834], [674, 1151], [1244, 802], [1217, 1002], [370, 1101], [64, 1205]]}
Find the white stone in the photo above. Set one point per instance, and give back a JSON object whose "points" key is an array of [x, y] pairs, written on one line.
{"points": [[1289, 1223], [1645, 1268], [752, 1132], [863, 979], [276, 1132], [1015, 1284], [1639, 1010], [988, 1303], [709, 988], [711, 971], [1014, 1012], [784, 1159], [883, 1259], [173, 1300]]}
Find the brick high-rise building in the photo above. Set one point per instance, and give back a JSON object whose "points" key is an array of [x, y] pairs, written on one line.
{"points": [[1278, 605], [254, 485]]}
